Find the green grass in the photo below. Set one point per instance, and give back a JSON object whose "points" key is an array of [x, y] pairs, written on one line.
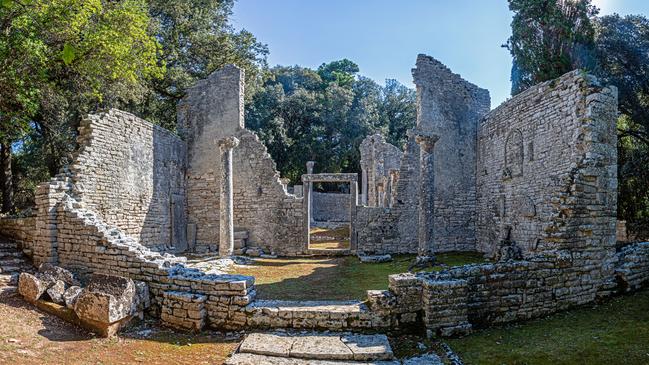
{"points": [[338, 278], [615, 332]]}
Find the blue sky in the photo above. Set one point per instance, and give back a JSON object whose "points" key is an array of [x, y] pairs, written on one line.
{"points": [[384, 36]]}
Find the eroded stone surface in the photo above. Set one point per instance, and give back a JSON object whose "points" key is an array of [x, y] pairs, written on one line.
{"points": [[272, 344], [30, 287], [70, 296], [56, 292]]}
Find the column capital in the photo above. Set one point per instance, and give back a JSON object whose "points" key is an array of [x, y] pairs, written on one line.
{"points": [[426, 141], [309, 166], [228, 143]]}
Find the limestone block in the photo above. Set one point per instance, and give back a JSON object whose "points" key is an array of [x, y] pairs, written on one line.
{"points": [[30, 287], [70, 296], [107, 299], [56, 292]]}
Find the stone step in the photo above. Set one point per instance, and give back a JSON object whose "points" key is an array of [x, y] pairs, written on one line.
{"points": [[253, 359], [10, 253], [9, 245], [319, 346], [9, 279], [9, 269], [329, 252]]}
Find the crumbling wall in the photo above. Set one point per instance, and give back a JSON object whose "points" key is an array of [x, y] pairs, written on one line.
{"points": [[214, 109], [378, 159], [21, 230], [450, 107], [330, 207], [128, 170], [273, 218], [211, 110], [547, 168], [394, 230]]}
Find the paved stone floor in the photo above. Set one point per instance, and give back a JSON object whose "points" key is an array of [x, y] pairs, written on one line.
{"points": [[301, 348]]}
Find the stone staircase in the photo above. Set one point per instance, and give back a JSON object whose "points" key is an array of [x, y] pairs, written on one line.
{"points": [[12, 263], [313, 348]]}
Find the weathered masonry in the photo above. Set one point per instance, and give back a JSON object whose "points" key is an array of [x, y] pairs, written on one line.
{"points": [[501, 176], [531, 183]]}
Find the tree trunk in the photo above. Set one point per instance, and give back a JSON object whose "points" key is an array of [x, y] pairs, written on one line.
{"points": [[6, 177]]}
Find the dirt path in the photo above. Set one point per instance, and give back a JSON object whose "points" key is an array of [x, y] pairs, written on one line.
{"points": [[29, 336]]}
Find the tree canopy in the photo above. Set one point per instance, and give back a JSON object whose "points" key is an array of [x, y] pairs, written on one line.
{"points": [[322, 115], [549, 38]]}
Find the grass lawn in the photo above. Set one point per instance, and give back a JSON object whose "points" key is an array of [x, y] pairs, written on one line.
{"points": [[615, 332], [332, 278], [326, 239]]}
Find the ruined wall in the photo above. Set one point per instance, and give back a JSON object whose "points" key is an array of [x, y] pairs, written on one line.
{"points": [[21, 230], [378, 159], [212, 110], [330, 207], [547, 168], [273, 218], [128, 171], [394, 229], [450, 107]]}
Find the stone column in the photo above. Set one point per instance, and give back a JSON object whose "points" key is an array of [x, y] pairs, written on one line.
{"points": [[425, 253], [226, 223], [309, 170], [363, 186], [392, 186]]}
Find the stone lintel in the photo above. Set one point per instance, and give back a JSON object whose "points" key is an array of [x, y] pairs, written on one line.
{"points": [[330, 177]]}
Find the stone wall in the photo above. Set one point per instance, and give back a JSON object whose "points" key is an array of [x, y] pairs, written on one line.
{"points": [[273, 218], [379, 160], [547, 168], [21, 230], [451, 107], [131, 172], [330, 207], [212, 110], [86, 244], [394, 229]]}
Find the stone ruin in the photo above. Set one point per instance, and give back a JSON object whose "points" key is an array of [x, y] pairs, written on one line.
{"points": [[531, 183]]}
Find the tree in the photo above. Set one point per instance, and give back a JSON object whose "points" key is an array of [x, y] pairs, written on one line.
{"points": [[196, 39], [60, 59], [323, 115], [622, 55], [549, 38]]}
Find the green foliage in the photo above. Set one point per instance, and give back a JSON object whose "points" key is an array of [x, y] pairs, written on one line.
{"points": [[300, 117], [60, 59], [549, 38], [622, 54], [197, 38]]}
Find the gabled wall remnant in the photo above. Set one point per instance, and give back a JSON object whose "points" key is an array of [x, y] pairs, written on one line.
{"points": [[450, 107]]}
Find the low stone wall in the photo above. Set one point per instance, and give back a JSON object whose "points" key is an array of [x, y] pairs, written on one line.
{"points": [[20, 230], [86, 244], [632, 267], [330, 207]]}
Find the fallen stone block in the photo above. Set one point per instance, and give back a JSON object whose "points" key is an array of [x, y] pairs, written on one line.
{"points": [[374, 258], [56, 292], [70, 296], [30, 287], [50, 273]]}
